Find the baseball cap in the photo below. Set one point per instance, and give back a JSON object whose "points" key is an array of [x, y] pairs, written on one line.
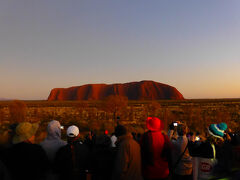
{"points": [[72, 131]]}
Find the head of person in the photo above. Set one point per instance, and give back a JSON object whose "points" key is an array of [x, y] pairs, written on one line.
{"points": [[25, 132], [182, 129], [154, 124], [54, 129], [120, 130], [216, 133], [72, 133], [103, 141]]}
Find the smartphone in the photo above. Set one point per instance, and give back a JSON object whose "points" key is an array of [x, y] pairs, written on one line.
{"points": [[175, 124], [197, 138]]}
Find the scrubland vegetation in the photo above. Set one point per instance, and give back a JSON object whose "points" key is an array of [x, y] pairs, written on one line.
{"points": [[101, 115]]}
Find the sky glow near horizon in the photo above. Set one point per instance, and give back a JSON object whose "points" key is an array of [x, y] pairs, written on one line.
{"points": [[191, 45]]}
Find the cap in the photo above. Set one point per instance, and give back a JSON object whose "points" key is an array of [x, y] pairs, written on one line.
{"points": [[72, 131]]}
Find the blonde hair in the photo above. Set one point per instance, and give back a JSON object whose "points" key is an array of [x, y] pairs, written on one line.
{"points": [[215, 140]]}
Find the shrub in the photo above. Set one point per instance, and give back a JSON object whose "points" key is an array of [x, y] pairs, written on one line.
{"points": [[17, 111]]}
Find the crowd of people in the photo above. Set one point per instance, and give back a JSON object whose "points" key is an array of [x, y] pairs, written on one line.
{"points": [[178, 154]]}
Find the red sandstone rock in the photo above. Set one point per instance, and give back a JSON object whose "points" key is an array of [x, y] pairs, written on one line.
{"points": [[143, 90]]}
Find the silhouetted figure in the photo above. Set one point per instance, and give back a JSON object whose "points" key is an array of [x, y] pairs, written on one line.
{"points": [[113, 140], [134, 135], [102, 159], [156, 150], [139, 136], [4, 174], [71, 160], [90, 139], [26, 160], [52, 143], [210, 153], [181, 160], [128, 158]]}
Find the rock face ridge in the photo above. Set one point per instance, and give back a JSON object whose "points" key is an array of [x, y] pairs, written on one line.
{"points": [[143, 90]]}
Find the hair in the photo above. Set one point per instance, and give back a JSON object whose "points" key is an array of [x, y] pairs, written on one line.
{"points": [[182, 129], [214, 140], [120, 130]]}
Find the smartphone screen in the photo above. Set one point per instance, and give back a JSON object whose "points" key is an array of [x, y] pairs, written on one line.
{"points": [[175, 124], [197, 138]]}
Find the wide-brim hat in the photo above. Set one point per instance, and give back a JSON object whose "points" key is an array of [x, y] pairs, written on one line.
{"points": [[154, 124], [217, 130], [24, 131]]}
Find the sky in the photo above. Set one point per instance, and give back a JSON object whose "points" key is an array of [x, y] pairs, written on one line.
{"points": [[191, 45]]}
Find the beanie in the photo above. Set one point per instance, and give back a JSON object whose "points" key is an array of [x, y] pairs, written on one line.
{"points": [[217, 130]]}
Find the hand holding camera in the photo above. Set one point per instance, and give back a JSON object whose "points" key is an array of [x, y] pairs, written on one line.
{"points": [[173, 125]]}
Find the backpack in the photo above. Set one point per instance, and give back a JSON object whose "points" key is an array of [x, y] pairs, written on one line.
{"points": [[203, 167]]}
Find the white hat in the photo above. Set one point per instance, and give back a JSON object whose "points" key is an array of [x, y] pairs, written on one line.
{"points": [[72, 131]]}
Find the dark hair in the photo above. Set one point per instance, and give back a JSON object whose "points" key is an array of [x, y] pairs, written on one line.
{"points": [[120, 130], [182, 129]]}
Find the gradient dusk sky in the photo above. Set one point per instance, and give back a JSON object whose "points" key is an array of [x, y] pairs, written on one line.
{"points": [[191, 45]]}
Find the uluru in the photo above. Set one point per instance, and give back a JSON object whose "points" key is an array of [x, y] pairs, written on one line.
{"points": [[143, 90]]}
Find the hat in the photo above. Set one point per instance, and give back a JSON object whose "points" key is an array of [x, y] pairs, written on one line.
{"points": [[24, 131], [217, 130], [120, 130], [72, 131], [106, 132], [154, 124]]}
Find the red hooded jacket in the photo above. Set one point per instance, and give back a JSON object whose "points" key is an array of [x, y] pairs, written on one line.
{"points": [[154, 146]]}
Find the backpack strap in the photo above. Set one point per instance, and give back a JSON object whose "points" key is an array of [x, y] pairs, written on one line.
{"points": [[214, 151], [180, 157], [73, 156]]}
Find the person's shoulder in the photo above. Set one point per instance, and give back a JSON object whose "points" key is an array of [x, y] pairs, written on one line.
{"points": [[132, 142], [24, 145], [35, 147], [64, 147], [62, 142], [42, 143], [81, 145], [63, 150]]}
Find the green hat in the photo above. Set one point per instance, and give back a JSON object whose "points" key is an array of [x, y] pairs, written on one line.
{"points": [[24, 131], [217, 130]]}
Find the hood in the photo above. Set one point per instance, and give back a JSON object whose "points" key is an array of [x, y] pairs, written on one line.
{"points": [[54, 130], [154, 124]]}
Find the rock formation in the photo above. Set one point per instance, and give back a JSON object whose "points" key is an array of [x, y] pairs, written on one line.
{"points": [[143, 90]]}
